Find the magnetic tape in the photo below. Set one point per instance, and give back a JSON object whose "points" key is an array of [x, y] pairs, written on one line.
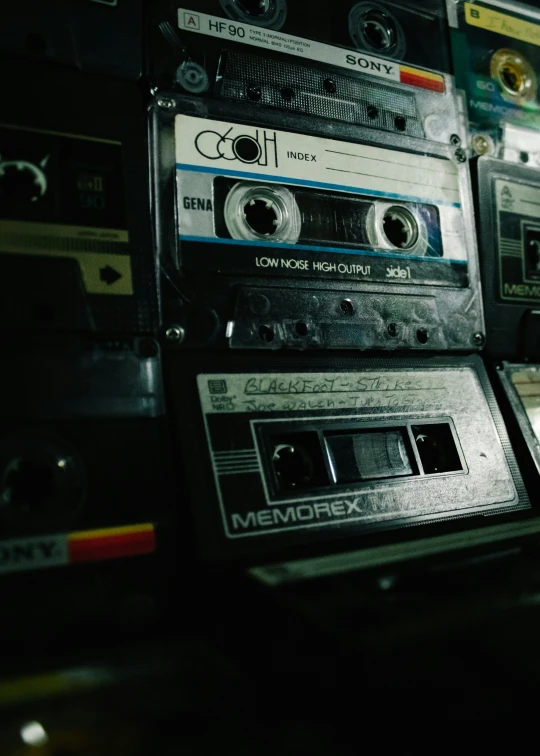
{"points": [[329, 82], [277, 237], [497, 63], [82, 451], [75, 234], [307, 457]]}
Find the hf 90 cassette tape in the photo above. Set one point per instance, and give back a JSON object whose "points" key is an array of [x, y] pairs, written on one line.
{"points": [[244, 54], [497, 62], [273, 236], [398, 458]]}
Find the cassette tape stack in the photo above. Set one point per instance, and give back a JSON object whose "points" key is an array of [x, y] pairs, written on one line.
{"points": [[496, 48], [321, 287], [83, 471]]}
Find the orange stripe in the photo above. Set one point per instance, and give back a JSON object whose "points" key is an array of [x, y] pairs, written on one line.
{"points": [[102, 532], [422, 79], [112, 543]]}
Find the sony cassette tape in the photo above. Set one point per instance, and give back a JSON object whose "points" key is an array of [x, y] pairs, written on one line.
{"points": [[509, 202], [396, 458], [83, 449], [75, 230], [496, 50], [65, 31], [273, 237], [226, 58]]}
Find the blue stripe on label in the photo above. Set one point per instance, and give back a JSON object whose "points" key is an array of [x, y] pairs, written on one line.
{"points": [[276, 246], [304, 182]]}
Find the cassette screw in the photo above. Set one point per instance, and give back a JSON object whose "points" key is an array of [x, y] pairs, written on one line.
{"points": [[175, 333], [163, 102], [455, 140], [329, 85], [480, 144], [461, 156], [478, 339], [254, 93]]}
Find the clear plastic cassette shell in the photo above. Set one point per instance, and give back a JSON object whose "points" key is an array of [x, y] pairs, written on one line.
{"points": [[323, 81], [497, 64], [386, 272], [521, 383], [387, 456]]}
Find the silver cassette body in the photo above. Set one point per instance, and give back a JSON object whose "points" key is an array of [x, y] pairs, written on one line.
{"points": [[356, 289], [399, 457]]}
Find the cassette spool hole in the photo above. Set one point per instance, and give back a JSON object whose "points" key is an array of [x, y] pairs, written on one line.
{"points": [[373, 112], [400, 227], [261, 216], [297, 460], [380, 30], [28, 483], [256, 8], [422, 336], [400, 123], [301, 328]]}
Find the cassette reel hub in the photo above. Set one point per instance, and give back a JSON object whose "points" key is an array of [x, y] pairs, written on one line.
{"points": [[41, 479], [400, 227], [270, 14], [515, 76], [374, 27], [255, 212]]}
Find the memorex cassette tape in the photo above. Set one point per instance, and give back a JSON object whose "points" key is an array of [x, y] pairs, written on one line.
{"points": [[75, 229], [273, 236], [496, 50], [83, 450], [228, 59], [509, 218], [394, 458]]}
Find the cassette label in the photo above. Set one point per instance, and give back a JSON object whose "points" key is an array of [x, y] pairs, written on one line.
{"points": [[352, 450], [264, 201], [62, 196], [518, 240]]}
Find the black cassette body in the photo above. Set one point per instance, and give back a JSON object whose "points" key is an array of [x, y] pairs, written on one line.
{"points": [[62, 31], [277, 237], [497, 64], [309, 455], [83, 452], [509, 202], [75, 231], [256, 65]]}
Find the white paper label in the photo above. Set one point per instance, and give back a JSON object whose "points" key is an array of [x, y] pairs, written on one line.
{"points": [[239, 150], [268, 39], [19, 554]]}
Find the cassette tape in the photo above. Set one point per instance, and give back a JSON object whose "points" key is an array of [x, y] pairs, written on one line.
{"points": [[509, 198], [65, 31], [228, 59], [75, 230], [497, 63], [83, 450], [278, 238], [394, 457]]}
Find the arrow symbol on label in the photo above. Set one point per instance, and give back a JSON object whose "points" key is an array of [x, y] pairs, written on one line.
{"points": [[109, 275]]}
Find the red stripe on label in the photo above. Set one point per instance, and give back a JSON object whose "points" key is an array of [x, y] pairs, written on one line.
{"points": [[112, 546], [434, 85]]}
